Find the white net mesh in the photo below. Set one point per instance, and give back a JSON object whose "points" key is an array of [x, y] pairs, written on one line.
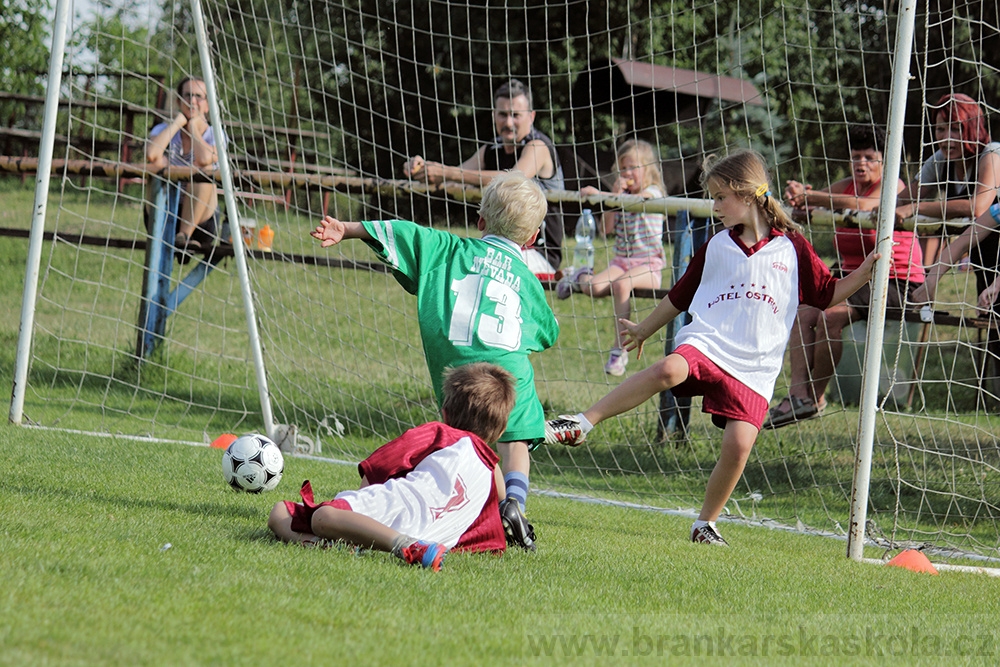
{"points": [[322, 103]]}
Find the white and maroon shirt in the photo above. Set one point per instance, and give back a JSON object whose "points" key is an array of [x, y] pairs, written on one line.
{"points": [[742, 302], [434, 483]]}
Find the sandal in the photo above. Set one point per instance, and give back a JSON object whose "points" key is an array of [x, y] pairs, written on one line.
{"points": [[799, 409], [184, 243]]}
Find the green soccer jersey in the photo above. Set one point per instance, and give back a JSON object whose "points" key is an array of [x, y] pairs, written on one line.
{"points": [[476, 301]]}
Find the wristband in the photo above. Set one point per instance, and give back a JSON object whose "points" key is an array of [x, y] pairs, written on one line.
{"points": [[995, 213]]}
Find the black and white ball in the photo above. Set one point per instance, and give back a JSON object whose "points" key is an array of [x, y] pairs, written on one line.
{"points": [[252, 463]]}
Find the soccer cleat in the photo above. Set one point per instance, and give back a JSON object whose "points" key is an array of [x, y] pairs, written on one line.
{"points": [[515, 525], [617, 362], [707, 534], [565, 430], [425, 554]]}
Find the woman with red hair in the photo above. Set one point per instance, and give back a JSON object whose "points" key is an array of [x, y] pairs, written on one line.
{"points": [[961, 178], [971, 176]]}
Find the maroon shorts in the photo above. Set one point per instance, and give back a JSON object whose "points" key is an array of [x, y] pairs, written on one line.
{"points": [[725, 397], [302, 512]]}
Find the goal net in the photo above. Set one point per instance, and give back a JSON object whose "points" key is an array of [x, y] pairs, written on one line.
{"points": [[322, 104]]}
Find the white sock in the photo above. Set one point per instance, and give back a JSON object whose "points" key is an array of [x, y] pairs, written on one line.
{"points": [[399, 543], [585, 424]]}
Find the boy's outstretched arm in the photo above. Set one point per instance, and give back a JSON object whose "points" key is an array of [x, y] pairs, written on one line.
{"points": [[852, 282], [634, 335], [331, 231]]}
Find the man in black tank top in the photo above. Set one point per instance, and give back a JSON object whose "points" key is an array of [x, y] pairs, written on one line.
{"points": [[518, 145]]}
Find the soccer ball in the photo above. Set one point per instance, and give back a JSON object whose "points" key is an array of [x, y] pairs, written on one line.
{"points": [[252, 463]]}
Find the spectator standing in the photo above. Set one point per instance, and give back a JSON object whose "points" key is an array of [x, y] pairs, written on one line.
{"points": [[962, 177]]}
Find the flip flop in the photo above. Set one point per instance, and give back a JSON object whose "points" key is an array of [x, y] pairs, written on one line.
{"points": [[800, 409], [185, 243]]}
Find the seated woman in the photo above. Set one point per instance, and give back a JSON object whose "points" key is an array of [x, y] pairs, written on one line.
{"points": [[981, 240], [961, 178], [188, 140], [815, 344], [970, 177]]}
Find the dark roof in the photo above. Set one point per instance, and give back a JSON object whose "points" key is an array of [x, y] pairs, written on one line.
{"points": [[688, 82], [657, 93]]}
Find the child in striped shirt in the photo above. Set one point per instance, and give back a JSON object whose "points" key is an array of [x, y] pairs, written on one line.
{"points": [[639, 258]]}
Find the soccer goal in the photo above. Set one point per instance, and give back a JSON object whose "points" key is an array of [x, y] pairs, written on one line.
{"points": [[322, 104]]}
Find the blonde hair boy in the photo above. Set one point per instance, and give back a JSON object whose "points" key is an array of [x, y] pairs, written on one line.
{"points": [[513, 207]]}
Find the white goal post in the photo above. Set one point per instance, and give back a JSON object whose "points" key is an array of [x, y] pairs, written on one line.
{"points": [[321, 105]]}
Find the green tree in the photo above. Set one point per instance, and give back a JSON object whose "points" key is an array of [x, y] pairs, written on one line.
{"points": [[24, 32], [384, 79]]}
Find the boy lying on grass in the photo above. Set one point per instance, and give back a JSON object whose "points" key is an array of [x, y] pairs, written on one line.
{"points": [[432, 489]]}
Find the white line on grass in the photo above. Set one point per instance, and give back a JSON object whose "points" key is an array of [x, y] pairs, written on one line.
{"points": [[687, 513]]}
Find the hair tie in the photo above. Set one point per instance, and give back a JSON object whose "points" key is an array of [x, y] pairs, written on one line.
{"points": [[762, 190]]}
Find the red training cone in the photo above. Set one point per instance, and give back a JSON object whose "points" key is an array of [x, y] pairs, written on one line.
{"points": [[223, 441], [914, 560]]}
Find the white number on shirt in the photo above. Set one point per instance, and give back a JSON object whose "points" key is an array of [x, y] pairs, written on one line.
{"points": [[501, 329]]}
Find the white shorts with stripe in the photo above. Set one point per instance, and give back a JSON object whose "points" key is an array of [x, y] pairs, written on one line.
{"points": [[437, 501]]}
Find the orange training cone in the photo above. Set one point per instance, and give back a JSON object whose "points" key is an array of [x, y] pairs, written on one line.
{"points": [[223, 441], [914, 560]]}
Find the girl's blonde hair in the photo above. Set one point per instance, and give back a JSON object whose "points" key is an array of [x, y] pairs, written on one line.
{"points": [[647, 156], [744, 172]]}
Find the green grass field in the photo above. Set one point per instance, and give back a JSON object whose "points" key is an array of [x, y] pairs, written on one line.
{"points": [[120, 552], [89, 578]]}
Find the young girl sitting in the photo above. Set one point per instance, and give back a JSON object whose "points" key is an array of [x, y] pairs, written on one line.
{"points": [[639, 257], [742, 290]]}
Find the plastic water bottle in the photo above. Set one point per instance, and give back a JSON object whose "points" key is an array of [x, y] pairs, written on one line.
{"points": [[583, 255]]}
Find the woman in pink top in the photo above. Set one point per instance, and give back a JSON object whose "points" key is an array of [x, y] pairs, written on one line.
{"points": [[815, 345]]}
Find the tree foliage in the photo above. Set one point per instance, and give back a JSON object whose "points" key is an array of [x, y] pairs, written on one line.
{"points": [[24, 32], [387, 79], [402, 78]]}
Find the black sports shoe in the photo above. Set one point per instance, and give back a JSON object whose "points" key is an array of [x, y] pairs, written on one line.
{"points": [[707, 534], [515, 525]]}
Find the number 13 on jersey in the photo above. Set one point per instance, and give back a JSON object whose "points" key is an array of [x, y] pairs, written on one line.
{"points": [[497, 322]]}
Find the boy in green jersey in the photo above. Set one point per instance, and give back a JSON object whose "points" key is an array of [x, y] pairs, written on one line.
{"points": [[477, 301]]}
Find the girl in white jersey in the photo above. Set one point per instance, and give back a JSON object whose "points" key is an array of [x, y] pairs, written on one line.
{"points": [[742, 290]]}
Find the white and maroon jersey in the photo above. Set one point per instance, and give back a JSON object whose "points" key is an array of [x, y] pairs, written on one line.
{"points": [[434, 483], [742, 302]]}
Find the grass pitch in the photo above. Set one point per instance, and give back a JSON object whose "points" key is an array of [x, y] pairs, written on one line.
{"points": [[124, 552], [118, 551]]}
